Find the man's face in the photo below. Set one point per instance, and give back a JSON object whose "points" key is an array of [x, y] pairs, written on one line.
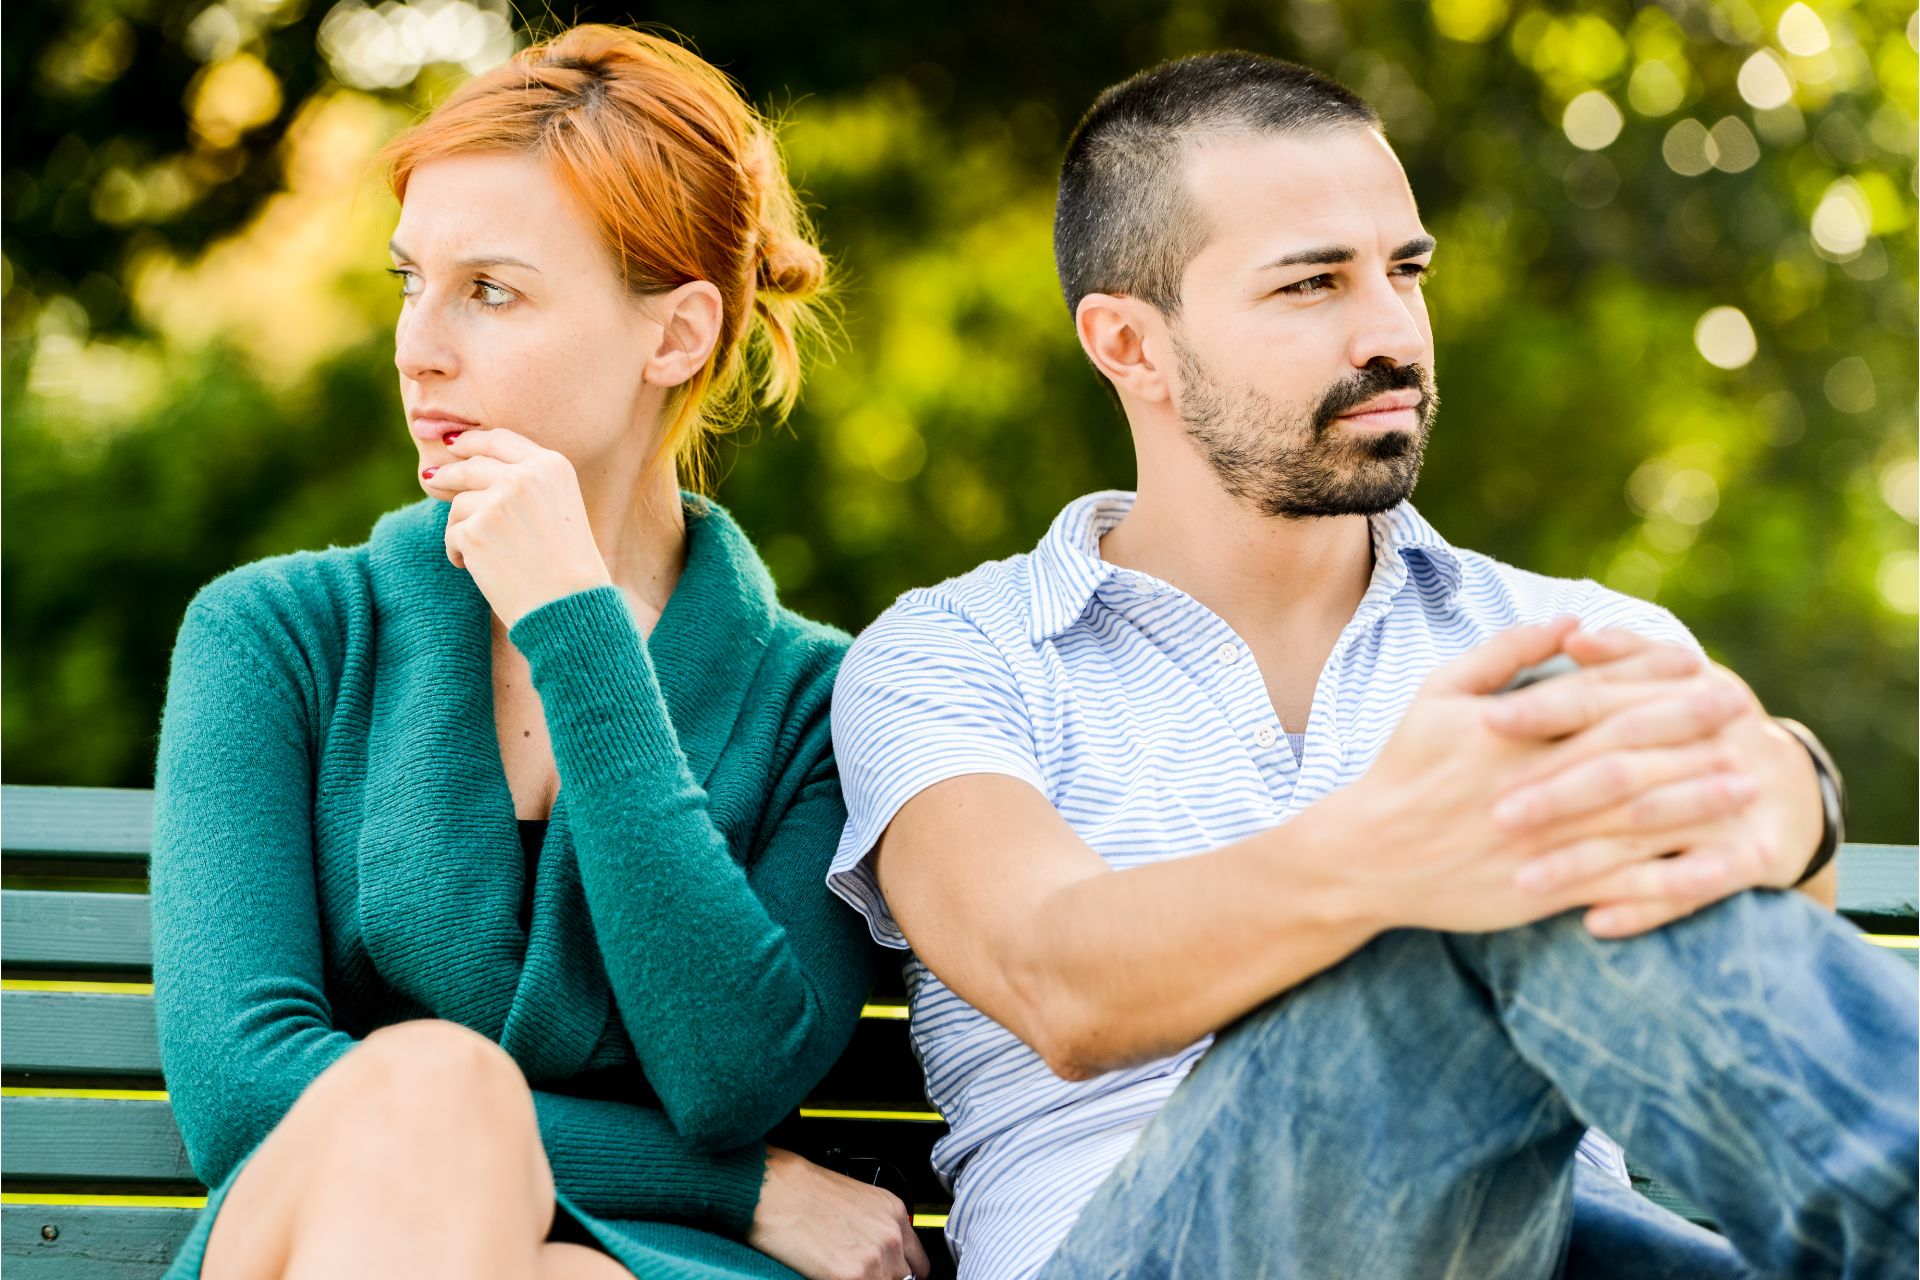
{"points": [[1304, 354]]}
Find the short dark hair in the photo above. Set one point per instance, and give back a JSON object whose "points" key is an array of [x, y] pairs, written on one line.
{"points": [[1125, 222]]}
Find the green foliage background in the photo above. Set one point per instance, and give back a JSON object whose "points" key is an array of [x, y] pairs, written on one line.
{"points": [[197, 360]]}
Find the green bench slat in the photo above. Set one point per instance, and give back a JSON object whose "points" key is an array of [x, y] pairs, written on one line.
{"points": [[78, 1033], [75, 930], [76, 822], [1880, 881], [90, 1242], [53, 1140], [86, 1139], [94, 822]]}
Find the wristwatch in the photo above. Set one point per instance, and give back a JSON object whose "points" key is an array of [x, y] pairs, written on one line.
{"points": [[1833, 798]]}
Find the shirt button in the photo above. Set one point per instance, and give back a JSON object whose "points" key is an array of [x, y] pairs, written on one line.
{"points": [[1227, 653], [1264, 735]]}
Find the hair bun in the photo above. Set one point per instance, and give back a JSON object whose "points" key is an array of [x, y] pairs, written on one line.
{"points": [[791, 266]]}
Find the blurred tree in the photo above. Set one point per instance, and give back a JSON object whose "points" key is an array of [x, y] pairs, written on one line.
{"points": [[1674, 305]]}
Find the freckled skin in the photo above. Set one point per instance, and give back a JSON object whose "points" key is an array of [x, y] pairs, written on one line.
{"points": [[560, 362]]}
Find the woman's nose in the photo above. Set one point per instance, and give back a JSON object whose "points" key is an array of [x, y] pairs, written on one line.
{"points": [[420, 348]]}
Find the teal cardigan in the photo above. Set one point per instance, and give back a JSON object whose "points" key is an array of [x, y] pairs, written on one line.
{"points": [[335, 850]]}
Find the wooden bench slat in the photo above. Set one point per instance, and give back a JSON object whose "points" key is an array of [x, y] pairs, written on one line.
{"points": [[79, 1139], [90, 1242], [1875, 879], [78, 1033], [1880, 881], [76, 822], [75, 930]]}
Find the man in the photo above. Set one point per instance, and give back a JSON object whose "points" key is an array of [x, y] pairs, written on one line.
{"points": [[1227, 755]]}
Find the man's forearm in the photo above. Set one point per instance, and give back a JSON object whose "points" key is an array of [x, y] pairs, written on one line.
{"points": [[1131, 965]]}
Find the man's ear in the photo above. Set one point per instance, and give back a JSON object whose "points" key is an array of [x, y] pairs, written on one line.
{"points": [[1127, 341], [689, 319]]}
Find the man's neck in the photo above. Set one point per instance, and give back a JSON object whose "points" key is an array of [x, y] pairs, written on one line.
{"points": [[1264, 575]]}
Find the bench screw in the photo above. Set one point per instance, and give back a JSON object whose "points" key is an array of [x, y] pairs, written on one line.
{"points": [[49, 1232]]}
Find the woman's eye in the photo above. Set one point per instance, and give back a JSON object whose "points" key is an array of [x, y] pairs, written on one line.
{"points": [[406, 279], [1308, 287], [493, 295]]}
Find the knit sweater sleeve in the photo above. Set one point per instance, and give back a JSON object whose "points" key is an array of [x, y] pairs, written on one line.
{"points": [[738, 985], [244, 1021], [243, 1018]]}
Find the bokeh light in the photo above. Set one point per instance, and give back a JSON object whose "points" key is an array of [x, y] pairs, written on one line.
{"points": [[1725, 338], [1592, 121], [1764, 82], [1842, 220]]}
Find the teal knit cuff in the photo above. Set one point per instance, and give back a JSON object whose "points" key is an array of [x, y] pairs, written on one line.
{"points": [[596, 684]]}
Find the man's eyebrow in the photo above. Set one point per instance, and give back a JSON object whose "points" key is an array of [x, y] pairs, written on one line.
{"points": [[1327, 255], [471, 264], [1335, 254]]}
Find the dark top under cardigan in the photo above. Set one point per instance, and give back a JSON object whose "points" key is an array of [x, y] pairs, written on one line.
{"points": [[335, 850]]}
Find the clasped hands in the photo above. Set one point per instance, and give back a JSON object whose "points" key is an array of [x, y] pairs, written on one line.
{"points": [[1643, 787]]}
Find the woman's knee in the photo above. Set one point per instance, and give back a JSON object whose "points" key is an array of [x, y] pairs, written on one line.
{"points": [[425, 1074]]}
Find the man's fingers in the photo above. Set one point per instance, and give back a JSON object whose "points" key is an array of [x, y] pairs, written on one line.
{"points": [[1625, 919], [1564, 706], [1569, 866], [1658, 714], [1492, 664], [1636, 779], [1704, 874]]}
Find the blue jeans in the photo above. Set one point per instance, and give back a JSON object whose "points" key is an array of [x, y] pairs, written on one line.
{"points": [[1413, 1112]]}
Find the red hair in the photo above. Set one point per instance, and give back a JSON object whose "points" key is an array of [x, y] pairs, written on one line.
{"points": [[683, 180]]}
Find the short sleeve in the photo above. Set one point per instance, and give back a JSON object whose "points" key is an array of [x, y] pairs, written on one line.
{"points": [[923, 696], [1607, 610]]}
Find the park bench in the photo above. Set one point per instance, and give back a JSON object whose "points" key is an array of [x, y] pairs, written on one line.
{"points": [[96, 1181]]}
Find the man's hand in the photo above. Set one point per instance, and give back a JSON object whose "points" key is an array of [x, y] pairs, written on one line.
{"points": [[518, 523], [1615, 765], [1616, 730]]}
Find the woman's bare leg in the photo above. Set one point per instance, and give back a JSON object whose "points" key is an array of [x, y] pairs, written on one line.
{"points": [[415, 1155], [577, 1262]]}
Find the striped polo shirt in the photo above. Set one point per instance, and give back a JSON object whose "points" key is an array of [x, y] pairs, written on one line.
{"points": [[1143, 718]]}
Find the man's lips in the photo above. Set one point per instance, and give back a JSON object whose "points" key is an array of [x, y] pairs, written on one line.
{"points": [[1399, 409]]}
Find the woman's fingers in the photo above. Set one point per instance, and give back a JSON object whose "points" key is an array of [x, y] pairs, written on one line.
{"points": [[463, 476], [917, 1260], [492, 442]]}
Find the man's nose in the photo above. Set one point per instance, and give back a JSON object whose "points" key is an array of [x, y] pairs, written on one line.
{"points": [[1389, 328]]}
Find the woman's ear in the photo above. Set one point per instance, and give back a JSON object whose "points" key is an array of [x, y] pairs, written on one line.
{"points": [[689, 319]]}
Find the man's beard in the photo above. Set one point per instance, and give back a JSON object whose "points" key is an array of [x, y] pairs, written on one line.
{"points": [[1299, 463]]}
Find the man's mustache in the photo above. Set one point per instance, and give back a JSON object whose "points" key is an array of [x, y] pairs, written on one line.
{"points": [[1374, 380]]}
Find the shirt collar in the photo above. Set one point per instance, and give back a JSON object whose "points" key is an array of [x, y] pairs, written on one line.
{"points": [[1066, 569]]}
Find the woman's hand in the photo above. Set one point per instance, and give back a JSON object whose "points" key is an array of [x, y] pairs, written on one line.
{"points": [[518, 523], [829, 1227]]}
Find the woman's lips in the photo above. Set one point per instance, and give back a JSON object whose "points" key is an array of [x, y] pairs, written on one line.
{"points": [[428, 428]]}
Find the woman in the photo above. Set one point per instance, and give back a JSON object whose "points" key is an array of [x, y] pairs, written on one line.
{"points": [[405, 1036]]}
